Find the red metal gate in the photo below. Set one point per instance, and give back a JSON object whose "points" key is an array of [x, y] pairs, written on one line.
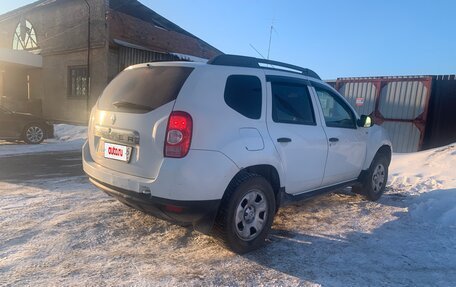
{"points": [[399, 104]]}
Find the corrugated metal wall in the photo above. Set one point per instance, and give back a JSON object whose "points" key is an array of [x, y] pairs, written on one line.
{"points": [[404, 100], [365, 91], [399, 104], [405, 136], [131, 56]]}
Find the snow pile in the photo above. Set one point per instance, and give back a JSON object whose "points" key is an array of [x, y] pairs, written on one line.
{"points": [[67, 133], [436, 208], [430, 177], [66, 138], [422, 171]]}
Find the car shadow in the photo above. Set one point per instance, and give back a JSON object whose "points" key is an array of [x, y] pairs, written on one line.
{"points": [[32, 169], [403, 251]]}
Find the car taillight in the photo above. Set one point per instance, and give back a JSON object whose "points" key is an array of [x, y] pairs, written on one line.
{"points": [[178, 134]]}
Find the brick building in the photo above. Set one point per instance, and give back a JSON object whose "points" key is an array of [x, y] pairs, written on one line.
{"points": [[56, 56]]}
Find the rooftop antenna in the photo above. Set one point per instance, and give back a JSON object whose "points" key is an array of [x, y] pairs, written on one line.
{"points": [[269, 47], [257, 51], [270, 36]]}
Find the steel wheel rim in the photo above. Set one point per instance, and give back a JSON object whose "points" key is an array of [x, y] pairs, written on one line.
{"points": [[34, 134], [378, 178], [251, 215]]}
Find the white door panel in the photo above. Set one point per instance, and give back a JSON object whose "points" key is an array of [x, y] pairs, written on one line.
{"points": [[298, 136], [345, 156], [347, 142], [303, 158]]}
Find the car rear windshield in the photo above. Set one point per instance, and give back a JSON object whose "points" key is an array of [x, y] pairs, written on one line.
{"points": [[142, 90]]}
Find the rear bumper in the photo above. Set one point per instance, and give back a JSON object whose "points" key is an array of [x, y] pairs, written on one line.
{"points": [[201, 214], [192, 197]]}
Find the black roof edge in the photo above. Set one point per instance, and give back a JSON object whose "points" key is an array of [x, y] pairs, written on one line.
{"points": [[251, 62]]}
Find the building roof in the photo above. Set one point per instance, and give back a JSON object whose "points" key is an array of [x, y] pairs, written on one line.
{"points": [[26, 8], [135, 9]]}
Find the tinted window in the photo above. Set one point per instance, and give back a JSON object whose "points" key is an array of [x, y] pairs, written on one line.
{"points": [[335, 110], [291, 104], [243, 94], [148, 87]]}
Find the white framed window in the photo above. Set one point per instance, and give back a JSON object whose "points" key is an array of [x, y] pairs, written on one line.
{"points": [[25, 36]]}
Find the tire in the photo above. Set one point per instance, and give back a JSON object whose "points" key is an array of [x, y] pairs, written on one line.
{"points": [[246, 214], [34, 134], [374, 181]]}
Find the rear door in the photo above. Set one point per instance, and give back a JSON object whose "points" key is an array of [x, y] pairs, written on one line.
{"points": [[128, 127], [296, 131], [347, 142]]}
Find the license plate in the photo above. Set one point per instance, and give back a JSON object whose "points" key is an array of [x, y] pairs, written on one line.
{"points": [[117, 152]]}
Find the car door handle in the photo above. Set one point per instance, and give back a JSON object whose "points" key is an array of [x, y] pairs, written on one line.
{"points": [[283, 140], [333, 140]]}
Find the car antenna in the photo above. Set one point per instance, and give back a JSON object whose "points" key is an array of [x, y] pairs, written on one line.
{"points": [[257, 51], [270, 37]]}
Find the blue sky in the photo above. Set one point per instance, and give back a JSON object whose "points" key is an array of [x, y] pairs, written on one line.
{"points": [[335, 38]]}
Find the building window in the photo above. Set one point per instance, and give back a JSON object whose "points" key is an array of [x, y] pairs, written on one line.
{"points": [[77, 81], [25, 36]]}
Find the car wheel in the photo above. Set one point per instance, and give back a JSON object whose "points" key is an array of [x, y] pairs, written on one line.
{"points": [[246, 214], [33, 134], [374, 182]]}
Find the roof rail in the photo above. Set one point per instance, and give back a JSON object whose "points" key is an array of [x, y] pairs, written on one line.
{"points": [[251, 62]]}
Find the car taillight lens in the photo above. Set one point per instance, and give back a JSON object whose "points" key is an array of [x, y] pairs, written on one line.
{"points": [[178, 134]]}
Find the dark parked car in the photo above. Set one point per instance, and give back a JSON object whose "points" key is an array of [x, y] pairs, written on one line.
{"points": [[23, 126]]}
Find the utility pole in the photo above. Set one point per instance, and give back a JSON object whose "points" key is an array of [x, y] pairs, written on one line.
{"points": [[88, 60]]}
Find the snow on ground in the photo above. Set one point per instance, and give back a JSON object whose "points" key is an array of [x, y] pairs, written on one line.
{"points": [[430, 176], [66, 232], [66, 137]]}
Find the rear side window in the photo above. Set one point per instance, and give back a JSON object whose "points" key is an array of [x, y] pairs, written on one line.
{"points": [[291, 104], [243, 94], [143, 89]]}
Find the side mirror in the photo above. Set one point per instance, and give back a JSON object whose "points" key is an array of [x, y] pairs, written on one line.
{"points": [[365, 121]]}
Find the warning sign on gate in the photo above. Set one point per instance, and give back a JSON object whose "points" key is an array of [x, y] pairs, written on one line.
{"points": [[359, 102]]}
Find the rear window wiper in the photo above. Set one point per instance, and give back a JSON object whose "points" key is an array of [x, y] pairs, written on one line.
{"points": [[133, 106]]}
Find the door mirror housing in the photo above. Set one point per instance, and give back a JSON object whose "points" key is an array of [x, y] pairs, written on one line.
{"points": [[365, 121]]}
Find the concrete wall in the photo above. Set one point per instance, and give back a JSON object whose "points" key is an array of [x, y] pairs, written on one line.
{"points": [[2, 86], [16, 84], [56, 104], [36, 83], [113, 61], [60, 25], [61, 29]]}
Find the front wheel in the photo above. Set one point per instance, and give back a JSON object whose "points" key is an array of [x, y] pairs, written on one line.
{"points": [[374, 182], [246, 214], [33, 134]]}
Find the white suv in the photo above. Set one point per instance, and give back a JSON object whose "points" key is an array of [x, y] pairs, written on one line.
{"points": [[222, 145]]}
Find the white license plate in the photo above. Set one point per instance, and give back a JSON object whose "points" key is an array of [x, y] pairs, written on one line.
{"points": [[117, 152]]}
